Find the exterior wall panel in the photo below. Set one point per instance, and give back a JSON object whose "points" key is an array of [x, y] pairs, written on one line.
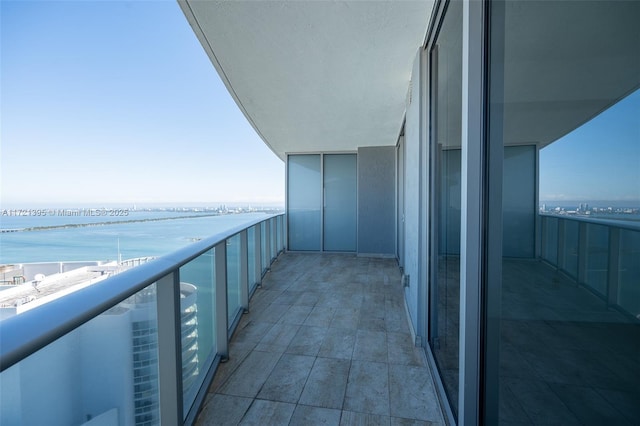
{"points": [[376, 200]]}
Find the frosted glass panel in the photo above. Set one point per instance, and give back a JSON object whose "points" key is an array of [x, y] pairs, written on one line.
{"points": [[340, 202], [304, 202]]}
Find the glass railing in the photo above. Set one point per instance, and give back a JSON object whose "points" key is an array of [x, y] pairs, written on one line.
{"points": [[141, 346], [601, 254]]}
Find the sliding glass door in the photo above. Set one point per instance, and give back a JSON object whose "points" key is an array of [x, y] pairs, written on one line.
{"points": [[340, 202], [322, 202], [304, 202]]}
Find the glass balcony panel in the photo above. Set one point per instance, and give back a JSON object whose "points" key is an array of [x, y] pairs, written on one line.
{"points": [[550, 240], [571, 240], [105, 370], [251, 257], [279, 233], [233, 278], [629, 272], [274, 238], [197, 292], [263, 246], [597, 261]]}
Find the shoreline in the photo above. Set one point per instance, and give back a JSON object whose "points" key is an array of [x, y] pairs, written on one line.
{"points": [[112, 222]]}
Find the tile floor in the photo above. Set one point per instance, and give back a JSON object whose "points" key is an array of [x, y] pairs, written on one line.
{"points": [[326, 342]]}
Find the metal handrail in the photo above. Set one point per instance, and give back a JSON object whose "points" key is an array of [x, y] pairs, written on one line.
{"points": [[622, 224], [23, 335]]}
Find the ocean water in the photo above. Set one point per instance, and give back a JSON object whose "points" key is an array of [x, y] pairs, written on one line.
{"points": [[101, 241]]}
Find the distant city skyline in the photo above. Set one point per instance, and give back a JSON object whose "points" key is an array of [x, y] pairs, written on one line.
{"points": [[116, 103]]}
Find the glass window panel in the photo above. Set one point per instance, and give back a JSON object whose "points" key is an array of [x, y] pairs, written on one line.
{"points": [[340, 177], [106, 370], [197, 292], [304, 200], [565, 76], [446, 89]]}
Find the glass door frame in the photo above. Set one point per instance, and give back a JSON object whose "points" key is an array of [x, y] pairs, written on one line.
{"points": [[474, 271]]}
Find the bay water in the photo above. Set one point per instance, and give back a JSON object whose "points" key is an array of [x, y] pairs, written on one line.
{"points": [[62, 239]]}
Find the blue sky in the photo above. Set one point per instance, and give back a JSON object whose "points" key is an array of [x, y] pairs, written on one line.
{"points": [[599, 161], [108, 102]]}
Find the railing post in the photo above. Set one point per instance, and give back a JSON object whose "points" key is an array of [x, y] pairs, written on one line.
{"points": [[222, 340], [583, 244], [169, 349], [244, 272], [614, 266], [258, 254]]}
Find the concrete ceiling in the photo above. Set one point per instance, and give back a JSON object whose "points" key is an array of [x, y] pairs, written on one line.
{"points": [[560, 64], [315, 75]]}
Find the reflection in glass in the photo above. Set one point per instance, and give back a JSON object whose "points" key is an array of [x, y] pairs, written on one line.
{"points": [[197, 300], [550, 239], [629, 274], [445, 281], [597, 261], [569, 254], [565, 76]]}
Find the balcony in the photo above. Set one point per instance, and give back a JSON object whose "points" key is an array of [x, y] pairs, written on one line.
{"points": [[326, 337], [569, 335], [326, 342]]}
